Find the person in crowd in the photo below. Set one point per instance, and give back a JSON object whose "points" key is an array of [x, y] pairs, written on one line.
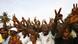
{"points": [[65, 37], [24, 36], [33, 36], [75, 27], [14, 39], [5, 36], [45, 35]]}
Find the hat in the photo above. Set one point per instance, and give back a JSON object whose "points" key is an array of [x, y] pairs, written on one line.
{"points": [[14, 29]]}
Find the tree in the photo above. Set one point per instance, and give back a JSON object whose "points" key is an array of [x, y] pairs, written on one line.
{"points": [[5, 19]]}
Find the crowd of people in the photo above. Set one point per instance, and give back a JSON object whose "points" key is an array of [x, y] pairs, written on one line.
{"points": [[57, 31]]}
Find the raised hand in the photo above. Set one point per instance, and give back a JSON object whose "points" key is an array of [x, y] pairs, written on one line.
{"points": [[58, 16]]}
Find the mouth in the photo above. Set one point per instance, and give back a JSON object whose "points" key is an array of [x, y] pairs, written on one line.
{"points": [[45, 33]]}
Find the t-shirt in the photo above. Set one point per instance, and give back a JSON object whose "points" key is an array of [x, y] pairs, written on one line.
{"points": [[1, 39], [63, 41], [6, 41]]}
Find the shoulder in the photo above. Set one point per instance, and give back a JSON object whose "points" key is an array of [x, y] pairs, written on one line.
{"points": [[75, 38], [58, 39]]}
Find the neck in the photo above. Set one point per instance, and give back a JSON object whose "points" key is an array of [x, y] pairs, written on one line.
{"points": [[65, 38], [6, 38]]}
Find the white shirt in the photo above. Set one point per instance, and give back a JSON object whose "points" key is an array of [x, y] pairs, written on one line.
{"points": [[46, 39], [24, 40], [38, 41]]}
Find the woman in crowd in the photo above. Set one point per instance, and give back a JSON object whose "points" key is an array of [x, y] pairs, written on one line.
{"points": [[65, 37]]}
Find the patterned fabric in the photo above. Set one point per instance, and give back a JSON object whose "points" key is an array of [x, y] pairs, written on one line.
{"points": [[15, 40]]}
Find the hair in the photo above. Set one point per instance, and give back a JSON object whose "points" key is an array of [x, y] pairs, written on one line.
{"points": [[67, 27], [63, 29]]}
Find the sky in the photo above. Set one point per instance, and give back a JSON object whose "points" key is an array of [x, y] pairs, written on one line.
{"points": [[42, 9]]}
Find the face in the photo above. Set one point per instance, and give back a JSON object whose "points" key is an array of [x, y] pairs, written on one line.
{"points": [[13, 32], [66, 33], [45, 31], [4, 34]]}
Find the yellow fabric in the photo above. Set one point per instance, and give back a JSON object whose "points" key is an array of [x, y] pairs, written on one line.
{"points": [[1, 39]]}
